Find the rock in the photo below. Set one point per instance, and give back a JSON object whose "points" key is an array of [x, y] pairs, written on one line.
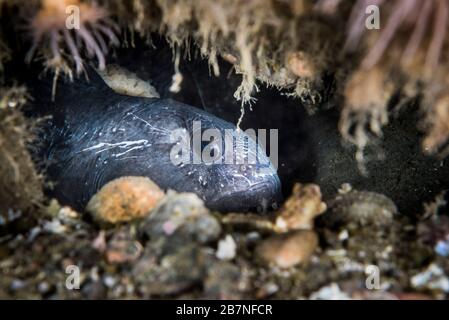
{"points": [[433, 279], [225, 281], [289, 249], [125, 199], [171, 273], [226, 248], [123, 247], [434, 231], [360, 208], [330, 292], [95, 290], [412, 296], [300, 210], [266, 290], [384, 295], [175, 258], [99, 243], [297, 213], [127, 83], [182, 215]]}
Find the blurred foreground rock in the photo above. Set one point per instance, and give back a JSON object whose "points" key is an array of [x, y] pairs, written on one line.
{"points": [[125, 199], [288, 250]]}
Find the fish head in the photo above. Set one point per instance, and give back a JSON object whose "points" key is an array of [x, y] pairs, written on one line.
{"points": [[228, 168]]}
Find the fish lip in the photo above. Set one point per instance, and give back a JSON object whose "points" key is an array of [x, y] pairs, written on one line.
{"points": [[268, 191]]}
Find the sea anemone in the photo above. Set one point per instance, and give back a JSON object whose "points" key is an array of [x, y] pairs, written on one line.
{"points": [[367, 93], [409, 44], [57, 37], [416, 18]]}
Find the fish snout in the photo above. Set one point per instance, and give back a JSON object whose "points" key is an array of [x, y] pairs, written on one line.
{"points": [[260, 197]]}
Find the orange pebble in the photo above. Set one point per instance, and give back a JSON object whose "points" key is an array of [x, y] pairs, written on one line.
{"points": [[289, 249], [125, 199]]}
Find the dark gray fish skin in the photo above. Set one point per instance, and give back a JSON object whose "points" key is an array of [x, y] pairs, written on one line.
{"points": [[97, 135]]}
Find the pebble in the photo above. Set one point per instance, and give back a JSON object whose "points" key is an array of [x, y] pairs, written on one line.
{"points": [[330, 292], [43, 287], [361, 208], [17, 284], [442, 248], [384, 295], [297, 213], [433, 278], [225, 281], [300, 210], [171, 273], [288, 249], [123, 248], [226, 248], [126, 82], [182, 215], [267, 290], [435, 232], [109, 281], [125, 199]]}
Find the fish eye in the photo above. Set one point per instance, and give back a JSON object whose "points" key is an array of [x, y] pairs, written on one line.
{"points": [[243, 167]]}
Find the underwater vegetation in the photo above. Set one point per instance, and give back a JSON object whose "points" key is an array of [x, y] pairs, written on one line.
{"points": [[359, 94], [291, 45]]}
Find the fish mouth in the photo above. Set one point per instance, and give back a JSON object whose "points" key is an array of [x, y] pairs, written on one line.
{"points": [[261, 197]]}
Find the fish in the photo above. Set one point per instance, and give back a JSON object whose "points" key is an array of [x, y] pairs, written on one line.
{"points": [[95, 135]]}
